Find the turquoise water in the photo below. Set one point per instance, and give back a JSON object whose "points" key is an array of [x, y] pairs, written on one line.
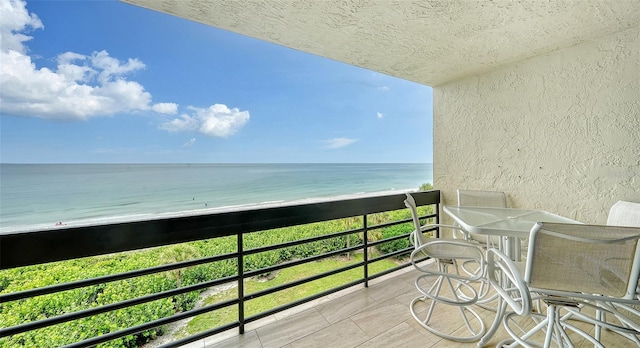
{"points": [[35, 194]]}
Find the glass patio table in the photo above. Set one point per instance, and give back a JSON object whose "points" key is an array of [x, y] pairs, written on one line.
{"points": [[511, 225]]}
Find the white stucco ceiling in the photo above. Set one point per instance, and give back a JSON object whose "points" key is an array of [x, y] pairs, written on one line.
{"points": [[429, 42]]}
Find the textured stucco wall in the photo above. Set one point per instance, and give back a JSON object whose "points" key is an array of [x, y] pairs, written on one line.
{"points": [[559, 132]]}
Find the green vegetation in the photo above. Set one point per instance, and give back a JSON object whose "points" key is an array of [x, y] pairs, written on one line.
{"points": [[46, 306]]}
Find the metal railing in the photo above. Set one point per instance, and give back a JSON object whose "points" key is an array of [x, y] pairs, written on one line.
{"points": [[36, 247]]}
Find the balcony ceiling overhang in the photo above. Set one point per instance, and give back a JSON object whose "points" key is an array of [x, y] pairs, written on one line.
{"points": [[429, 42]]}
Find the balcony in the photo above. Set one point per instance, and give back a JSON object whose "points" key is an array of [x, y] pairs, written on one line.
{"points": [[369, 309]]}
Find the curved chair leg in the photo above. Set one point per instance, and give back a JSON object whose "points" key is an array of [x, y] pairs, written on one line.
{"points": [[475, 331], [475, 327], [484, 288], [552, 326]]}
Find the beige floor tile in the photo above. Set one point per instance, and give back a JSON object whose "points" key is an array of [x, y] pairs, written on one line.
{"points": [[448, 319], [343, 334], [418, 328], [389, 289], [260, 323], [293, 328], [402, 335], [248, 340], [410, 277], [346, 306], [381, 317], [406, 298], [301, 308]]}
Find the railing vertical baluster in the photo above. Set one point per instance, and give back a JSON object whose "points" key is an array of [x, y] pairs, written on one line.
{"points": [[240, 284], [437, 219], [366, 250]]}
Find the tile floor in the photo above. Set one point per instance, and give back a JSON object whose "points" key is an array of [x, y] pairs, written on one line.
{"points": [[377, 316]]}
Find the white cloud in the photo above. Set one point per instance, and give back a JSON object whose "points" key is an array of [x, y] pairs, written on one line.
{"points": [[190, 142], [16, 19], [337, 143], [217, 121], [379, 115], [384, 88], [79, 87], [165, 108]]}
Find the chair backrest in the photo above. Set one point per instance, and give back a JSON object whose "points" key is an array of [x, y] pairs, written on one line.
{"points": [[477, 198], [417, 238], [584, 259], [624, 213]]}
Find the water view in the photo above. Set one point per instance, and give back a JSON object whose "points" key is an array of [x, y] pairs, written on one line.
{"points": [[45, 195]]}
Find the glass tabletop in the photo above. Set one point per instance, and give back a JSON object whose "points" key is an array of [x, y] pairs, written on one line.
{"points": [[509, 222]]}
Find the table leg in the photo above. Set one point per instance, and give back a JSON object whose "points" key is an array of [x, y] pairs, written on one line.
{"points": [[512, 249]]}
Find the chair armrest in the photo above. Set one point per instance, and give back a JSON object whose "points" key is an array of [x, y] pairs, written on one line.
{"points": [[430, 226], [511, 285]]}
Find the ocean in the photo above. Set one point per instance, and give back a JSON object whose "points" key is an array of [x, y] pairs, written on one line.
{"points": [[34, 196]]}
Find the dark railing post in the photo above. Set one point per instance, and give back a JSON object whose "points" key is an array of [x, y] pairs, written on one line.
{"points": [[240, 284], [366, 251], [437, 219]]}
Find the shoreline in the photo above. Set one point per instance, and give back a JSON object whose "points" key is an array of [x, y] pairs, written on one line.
{"points": [[193, 212]]}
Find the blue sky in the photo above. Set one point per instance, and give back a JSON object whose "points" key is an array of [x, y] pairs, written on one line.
{"points": [[108, 82]]}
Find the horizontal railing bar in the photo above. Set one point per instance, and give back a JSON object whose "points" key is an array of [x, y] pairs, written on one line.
{"points": [[109, 307], [390, 270], [303, 300], [390, 239], [399, 222], [301, 281], [110, 278], [301, 241], [300, 261], [76, 242], [155, 323], [391, 254], [388, 224], [402, 236]]}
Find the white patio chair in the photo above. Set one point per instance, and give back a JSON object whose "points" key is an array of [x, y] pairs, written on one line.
{"points": [[623, 213], [444, 285], [572, 267], [479, 198]]}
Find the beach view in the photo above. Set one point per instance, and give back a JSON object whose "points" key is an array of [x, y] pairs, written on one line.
{"points": [[36, 196], [120, 119]]}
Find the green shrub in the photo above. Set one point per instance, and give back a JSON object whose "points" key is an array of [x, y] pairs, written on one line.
{"points": [[393, 231]]}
